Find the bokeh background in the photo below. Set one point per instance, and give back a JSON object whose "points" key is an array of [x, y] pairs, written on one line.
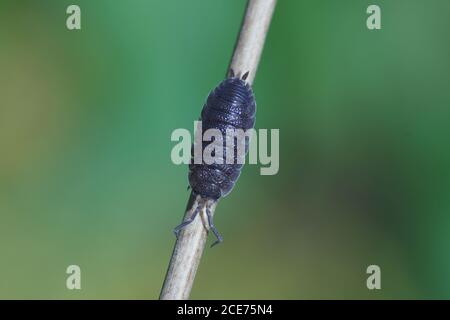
{"points": [[85, 170]]}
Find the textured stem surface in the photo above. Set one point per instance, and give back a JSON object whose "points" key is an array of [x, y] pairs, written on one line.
{"points": [[191, 240]]}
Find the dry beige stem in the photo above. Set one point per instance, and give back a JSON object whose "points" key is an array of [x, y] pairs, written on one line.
{"points": [[191, 241]]}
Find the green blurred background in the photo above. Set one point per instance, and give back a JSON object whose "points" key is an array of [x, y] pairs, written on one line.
{"points": [[85, 170]]}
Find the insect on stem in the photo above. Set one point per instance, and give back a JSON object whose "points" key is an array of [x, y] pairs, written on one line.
{"points": [[192, 238]]}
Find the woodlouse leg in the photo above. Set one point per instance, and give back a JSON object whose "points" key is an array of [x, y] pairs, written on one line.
{"points": [[213, 228], [185, 223]]}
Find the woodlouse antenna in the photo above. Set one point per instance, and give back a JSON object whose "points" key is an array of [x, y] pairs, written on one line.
{"points": [[232, 73], [244, 77]]}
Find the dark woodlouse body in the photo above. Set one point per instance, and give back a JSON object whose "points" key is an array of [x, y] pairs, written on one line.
{"points": [[231, 105]]}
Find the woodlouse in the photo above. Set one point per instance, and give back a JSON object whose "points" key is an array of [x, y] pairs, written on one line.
{"points": [[231, 105]]}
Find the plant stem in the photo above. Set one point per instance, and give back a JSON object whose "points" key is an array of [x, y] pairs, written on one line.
{"points": [[191, 240]]}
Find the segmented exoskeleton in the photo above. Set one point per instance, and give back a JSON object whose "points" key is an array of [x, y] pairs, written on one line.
{"points": [[230, 106]]}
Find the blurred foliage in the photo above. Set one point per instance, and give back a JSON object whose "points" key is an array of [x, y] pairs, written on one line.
{"points": [[85, 170]]}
